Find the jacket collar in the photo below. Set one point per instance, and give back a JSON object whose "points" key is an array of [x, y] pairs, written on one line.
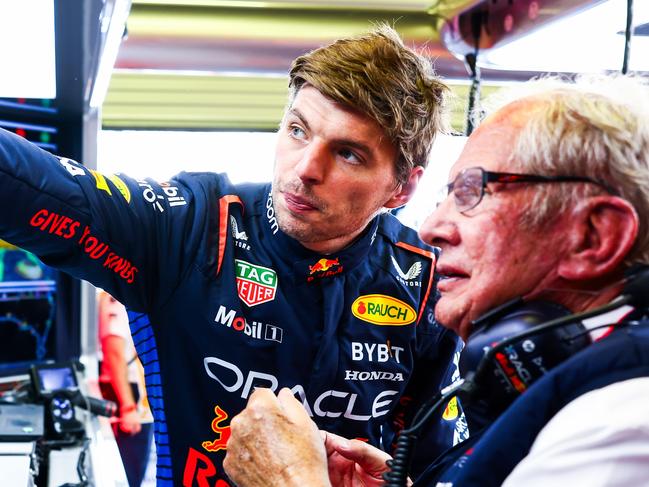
{"points": [[306, 265]]}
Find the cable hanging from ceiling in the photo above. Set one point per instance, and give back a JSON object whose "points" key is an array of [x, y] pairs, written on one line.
{"points": [[473, 113], [628, 34]]}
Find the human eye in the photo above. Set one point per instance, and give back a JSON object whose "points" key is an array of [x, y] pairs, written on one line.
{"points": [[296, 131], [467, 190], [350, 156]]}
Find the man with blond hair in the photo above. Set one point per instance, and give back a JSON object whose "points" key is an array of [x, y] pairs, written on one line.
{"points": [[304, 283], [546, 215]]}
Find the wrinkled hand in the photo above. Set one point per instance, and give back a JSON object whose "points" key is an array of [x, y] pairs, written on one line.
{"points": [[273, 442], [129, 423], [353, 463]]}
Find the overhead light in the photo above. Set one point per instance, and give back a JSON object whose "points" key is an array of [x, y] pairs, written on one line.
{"points": [[27, 56], [372, 5], [589, 41], [113, 23]]}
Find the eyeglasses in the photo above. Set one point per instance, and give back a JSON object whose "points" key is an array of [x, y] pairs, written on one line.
{"points": [[468, 187]]}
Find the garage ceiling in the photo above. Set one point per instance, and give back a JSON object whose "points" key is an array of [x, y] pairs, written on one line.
{"points": [[211, 64]]}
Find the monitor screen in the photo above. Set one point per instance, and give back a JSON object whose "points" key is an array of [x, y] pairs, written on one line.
{"points": [[27, 308], [56, 378]]}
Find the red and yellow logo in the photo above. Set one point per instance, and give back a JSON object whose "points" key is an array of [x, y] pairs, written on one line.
{"points": [[383, 310], [324, 268], [451, 411], [323, 265], [223, 432]]}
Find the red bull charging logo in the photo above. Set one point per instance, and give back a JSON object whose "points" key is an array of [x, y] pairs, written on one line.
{"points": [[324, 268], [323, 265], [222, 432], [199, 469]]}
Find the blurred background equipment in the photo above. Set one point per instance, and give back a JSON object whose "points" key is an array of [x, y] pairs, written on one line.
{"points": [[51, 62]]}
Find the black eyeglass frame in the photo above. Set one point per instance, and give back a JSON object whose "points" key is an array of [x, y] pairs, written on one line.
{"points": [[509, 177]]}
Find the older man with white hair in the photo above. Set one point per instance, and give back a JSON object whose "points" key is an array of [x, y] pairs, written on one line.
{"points": [[548, 207]]}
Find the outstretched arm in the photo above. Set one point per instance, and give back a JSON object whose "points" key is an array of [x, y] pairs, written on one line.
{"points": [[116, 232]]}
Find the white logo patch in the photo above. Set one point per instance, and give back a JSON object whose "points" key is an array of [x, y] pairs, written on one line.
{"points": [[72, 167], [240, 237], [407, 278], [235, 230]]}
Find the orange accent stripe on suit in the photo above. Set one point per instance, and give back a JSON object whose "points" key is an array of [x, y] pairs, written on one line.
{"points": [[224, 210], [429, 255]]}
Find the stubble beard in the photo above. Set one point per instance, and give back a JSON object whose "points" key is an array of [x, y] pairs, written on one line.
{"points": [[309, 233], [294, 228], [292, 225]]}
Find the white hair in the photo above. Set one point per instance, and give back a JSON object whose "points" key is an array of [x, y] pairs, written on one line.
{"points": [[595, 126]]}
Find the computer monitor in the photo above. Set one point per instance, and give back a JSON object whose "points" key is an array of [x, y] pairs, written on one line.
{"points": [[28, 298], [50, 379]]}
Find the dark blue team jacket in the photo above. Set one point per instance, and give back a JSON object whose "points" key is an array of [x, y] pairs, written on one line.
{"points": [[222, 301], [488, 457]]}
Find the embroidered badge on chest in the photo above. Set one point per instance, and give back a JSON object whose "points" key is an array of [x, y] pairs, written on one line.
{"points": [[255, 284]]}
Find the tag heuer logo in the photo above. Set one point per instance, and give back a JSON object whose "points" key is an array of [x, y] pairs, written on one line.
{"points": [[255, 284]]}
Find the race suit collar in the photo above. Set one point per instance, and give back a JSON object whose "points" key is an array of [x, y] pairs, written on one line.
{"points": [[306, 265]]}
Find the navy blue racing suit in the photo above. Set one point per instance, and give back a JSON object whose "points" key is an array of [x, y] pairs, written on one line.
{"points": [[222, 302]]}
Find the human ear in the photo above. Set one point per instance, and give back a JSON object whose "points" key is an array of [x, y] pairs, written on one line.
{"points": [[406, 190], [603, 232]]}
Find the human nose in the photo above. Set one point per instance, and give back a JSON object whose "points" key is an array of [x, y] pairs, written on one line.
{"points": [[439, 229], [312, 165]]}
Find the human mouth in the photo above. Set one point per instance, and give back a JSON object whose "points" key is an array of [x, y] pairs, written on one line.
{"points": [[299, 204], [449, 276]]}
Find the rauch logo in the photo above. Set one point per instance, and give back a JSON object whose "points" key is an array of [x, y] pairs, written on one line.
{"points": [[379, 309], [255, 284]]}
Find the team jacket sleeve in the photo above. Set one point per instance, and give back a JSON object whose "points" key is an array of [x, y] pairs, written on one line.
{"points": [[118, 233]]}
